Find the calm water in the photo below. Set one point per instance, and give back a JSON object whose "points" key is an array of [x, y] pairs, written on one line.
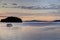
{"points": [[30, 31]]}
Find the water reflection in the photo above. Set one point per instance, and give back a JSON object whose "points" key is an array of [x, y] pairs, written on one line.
{"points": [[26, 32]]}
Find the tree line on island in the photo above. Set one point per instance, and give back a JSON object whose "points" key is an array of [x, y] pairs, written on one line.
{"points": [[16, 19]]}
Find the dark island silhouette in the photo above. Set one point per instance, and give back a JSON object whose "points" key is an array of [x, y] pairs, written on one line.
{"points": [[16, 19], [42, 21], [35, 21], [56, 21], [11, 19]]}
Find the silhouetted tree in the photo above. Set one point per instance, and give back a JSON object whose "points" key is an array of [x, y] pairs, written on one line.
{"points": [[11, 19]]}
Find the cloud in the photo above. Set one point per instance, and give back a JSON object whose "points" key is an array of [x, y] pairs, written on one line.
{"points": [[30, 7], [15, 14], [55, 13], [50, 6], [0, 1], [29, 14], [41, 6], [32, 4], [14, 4], [4, 3]]}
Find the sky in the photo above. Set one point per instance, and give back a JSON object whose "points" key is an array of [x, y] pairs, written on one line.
{"points": [[30, 9]]}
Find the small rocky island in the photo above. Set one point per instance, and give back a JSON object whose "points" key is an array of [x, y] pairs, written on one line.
{"points": [[11, 19]]}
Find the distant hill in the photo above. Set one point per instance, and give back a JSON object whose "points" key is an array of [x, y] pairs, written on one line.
{"points": [[41, 21], [35, 21], [56, 21]]}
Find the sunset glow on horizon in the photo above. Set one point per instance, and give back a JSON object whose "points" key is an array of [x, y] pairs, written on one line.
{"points": [[30, 9]]}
